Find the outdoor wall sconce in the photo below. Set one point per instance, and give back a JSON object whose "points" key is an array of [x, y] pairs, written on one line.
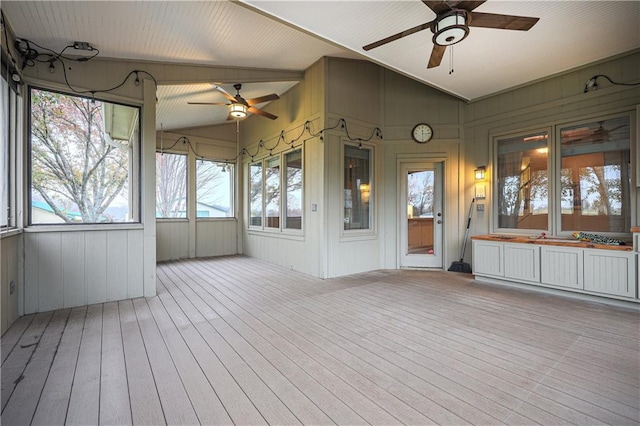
{"points": [[480, 188]]}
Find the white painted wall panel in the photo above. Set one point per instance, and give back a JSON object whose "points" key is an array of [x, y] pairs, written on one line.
{"points": [[216, 238], [96, 266], [135, 270], [50, 294], [10, 247], [172, 240], [562, 266], [73, 269], [118, 256], [522, 262]]}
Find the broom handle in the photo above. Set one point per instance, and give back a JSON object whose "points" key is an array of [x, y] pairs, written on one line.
{"points": [[466, 232]]}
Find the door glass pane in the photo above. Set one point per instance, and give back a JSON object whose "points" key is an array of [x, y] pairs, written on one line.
{"points": [[596, 176], [357, 187], [420, 211]]}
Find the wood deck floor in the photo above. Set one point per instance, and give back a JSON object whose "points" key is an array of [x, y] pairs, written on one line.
{"points": [[236, 340]]}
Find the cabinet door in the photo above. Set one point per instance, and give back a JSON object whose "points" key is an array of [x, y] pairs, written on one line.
{"points": [[522, 262], [562, 266], [610, 272], [487, 258]]}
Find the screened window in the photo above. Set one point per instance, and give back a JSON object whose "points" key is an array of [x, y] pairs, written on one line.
{"points": [[357, 187], [596, 176], [255, 194], [81, 159], [293, 173], [171, 185], [523, 184], [214, 189], [4, 154]]}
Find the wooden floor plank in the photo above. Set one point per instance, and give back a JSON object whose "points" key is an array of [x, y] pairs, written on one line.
{"points": [[54, 401], [204, 399], [84, 402], [17, 360], [12, 335], [115, 407], [176, 405], [146, 408], [24, 400]]}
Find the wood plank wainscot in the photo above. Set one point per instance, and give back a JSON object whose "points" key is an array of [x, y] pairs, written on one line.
{"points": [[565, 264]]}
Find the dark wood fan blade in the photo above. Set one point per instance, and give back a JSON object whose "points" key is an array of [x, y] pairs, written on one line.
{"points": [[257, 111], [466, 5], [207, 103], [438, 7], [505, 22], [226, 94], [397, 36], [261, 99], [436, 55]]}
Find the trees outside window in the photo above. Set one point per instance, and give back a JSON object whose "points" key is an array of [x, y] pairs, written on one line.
{"points": [[171, 185], [578, 181], [293, 189], [214, 189], [81, 159]]}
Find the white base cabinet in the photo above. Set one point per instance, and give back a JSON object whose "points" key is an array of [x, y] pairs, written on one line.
{"points": [[563, 266], [610, 272], [522, 262], [599, 271]]}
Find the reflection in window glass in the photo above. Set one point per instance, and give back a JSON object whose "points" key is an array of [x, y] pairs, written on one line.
{"points": [[272, 192], [293, 164], [523, 184], [81, 158], [596, 176], [255, 194], [214, 189], [357, 187], [171, 185]]}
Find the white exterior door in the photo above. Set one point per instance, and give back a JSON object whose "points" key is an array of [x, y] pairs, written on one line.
{"points": [[420, 214]]}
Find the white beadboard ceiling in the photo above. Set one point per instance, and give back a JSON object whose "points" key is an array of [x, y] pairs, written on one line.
{"points": [[292, 35]]}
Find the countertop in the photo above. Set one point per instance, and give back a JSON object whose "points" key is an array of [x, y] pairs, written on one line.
{"points": [[553, 241]]}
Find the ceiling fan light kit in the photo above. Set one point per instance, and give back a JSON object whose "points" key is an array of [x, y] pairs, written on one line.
{"points": [[450, 29], [237, 110]]}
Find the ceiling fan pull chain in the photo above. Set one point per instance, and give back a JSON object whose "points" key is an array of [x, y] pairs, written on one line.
{"points": [[450, 60]]}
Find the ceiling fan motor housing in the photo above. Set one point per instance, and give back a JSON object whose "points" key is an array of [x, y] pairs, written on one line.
{"points": [[450, 28]]}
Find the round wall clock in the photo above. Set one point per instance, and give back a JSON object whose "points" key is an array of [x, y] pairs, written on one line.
{"points": [[422, 133]]}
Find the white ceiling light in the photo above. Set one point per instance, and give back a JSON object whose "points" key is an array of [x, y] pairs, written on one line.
{"points": [[237, 110], [451, 29]]}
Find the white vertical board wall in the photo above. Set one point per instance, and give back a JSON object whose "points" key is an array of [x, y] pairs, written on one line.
{"points": [[74, 268], [10, 247]]}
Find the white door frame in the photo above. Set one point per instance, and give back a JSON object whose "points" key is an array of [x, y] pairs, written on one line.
{"points": [[404, 259]]}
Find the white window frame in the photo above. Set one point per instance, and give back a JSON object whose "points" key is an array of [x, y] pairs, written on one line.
{"points": [[186, 182], [135, 167], [371, 230], [231, 169], [281, 229], [554, 164]]}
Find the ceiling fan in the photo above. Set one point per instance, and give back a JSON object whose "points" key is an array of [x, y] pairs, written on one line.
{"points": [[451, 26], [239, 106]]}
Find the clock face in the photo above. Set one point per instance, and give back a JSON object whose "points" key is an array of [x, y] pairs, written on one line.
{"points": [[422, 133]]}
